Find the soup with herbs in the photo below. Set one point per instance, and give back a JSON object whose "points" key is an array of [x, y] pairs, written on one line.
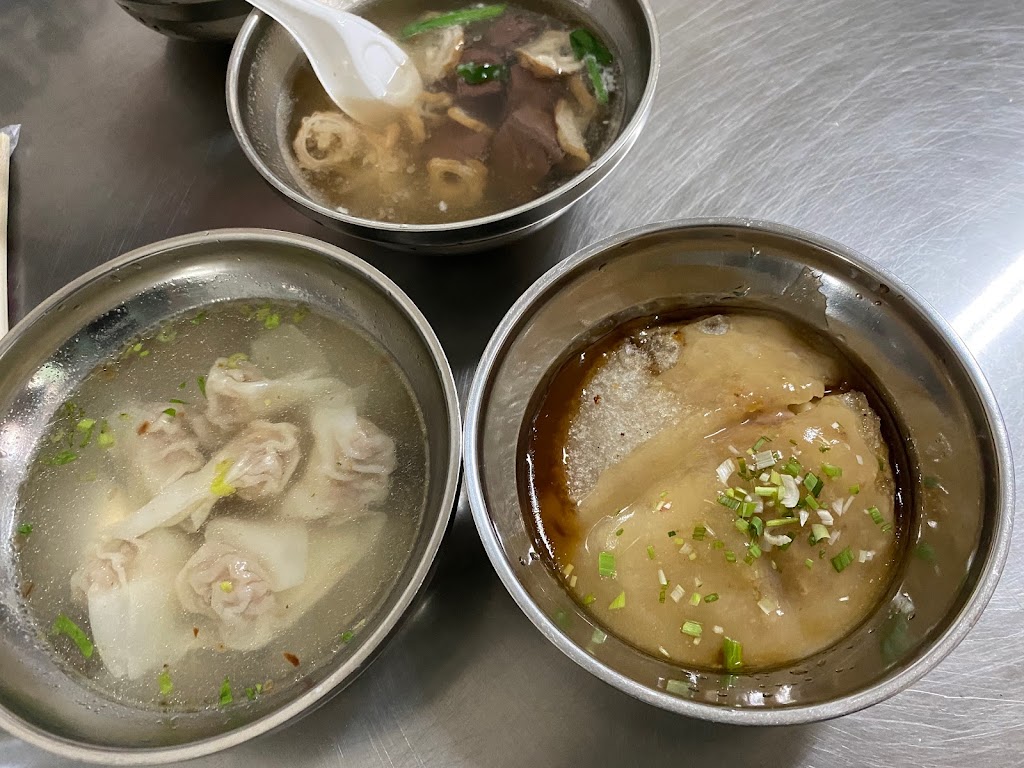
{"points": [[219, 510], [716, 492], [516, 101]]}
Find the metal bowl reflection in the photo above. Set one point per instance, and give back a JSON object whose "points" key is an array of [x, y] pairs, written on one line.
{"points": [[51, 351], [943, 408]]}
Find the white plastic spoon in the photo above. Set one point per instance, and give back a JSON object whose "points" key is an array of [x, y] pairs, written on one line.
{"points": [[363, 70]]}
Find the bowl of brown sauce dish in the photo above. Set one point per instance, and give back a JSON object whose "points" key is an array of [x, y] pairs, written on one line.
{"points": [[526, 107], [738, 472]]}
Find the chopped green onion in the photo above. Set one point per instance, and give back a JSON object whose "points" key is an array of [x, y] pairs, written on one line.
{"points": [[662, 591], [144, 353], [475, 74], [766, 490], [711, 598], [166, 336], [236, 359], [650, 552], [775, 478], [754, 550], [742, 471], [453, 18], [760, 443], [757, 525], [811, 502], [732, 651], [226, 586], [583, 42], [747, 508], [620, 531], [24, 529], [887, 527], [741, 525], [699, 531], [105, 440], [220, 486], [170, 412], [832, 470], [671, 534], [177, 401], [843, 559], [606, 565], [183, 385], [137, 347], [809, 563], [201, 381], [166, 686], [599, 636], [728, 501], [596, 78], [925, 551], [346, 636], [792, 468], [930, 481], [730, 556], [876, 515], [824, 448], [692, 628], [780, 521], [201, 317], [225, 693], [854, 489], [252, 692], [300, 314], [818, 533], [695, 598], [65, 626], [618, 603], [813, 483], [719, 544], [85, 425], [272, 321], [62, 458], [589, 599]]}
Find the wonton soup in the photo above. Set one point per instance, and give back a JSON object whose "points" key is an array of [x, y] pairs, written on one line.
{"points": [[516, 101], [717, 492], [220, 510]]}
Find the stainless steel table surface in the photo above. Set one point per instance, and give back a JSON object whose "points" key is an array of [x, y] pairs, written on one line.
{"points": [[894, 127]]}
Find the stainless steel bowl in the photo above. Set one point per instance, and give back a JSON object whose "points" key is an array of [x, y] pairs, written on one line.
{"points": [[265, 58], [49, 352], [943, 408], [197, 20]]}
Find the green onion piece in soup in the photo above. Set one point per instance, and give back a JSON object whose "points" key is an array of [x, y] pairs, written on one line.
{"points": [[165, 683], [225, 697], [65, 626], [24, 529], [596, 79], [584, 42], [732, 652], [453, 18], [475, 74]]}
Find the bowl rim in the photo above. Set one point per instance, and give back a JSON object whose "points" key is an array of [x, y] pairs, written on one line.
{"points": [[936, 651], [611, 154], [374, 642]]}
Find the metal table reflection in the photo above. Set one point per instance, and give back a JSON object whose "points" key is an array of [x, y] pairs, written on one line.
{"points": [[896, 128]]}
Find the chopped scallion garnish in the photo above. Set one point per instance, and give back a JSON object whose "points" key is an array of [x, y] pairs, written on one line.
{"points": [[347, 635], [606, 565], [809, 563], [843, 559], [780, 521], [832, 470], [225, 693], [732, 651], [671, 534], [760, 443], [757, 525], [730, 556], [741, 525], [201, 381], [767, 491], [811, 502], [854, 489], [662, 592], [711, 598], [24, 529], [618, 603], [692, 628], [818, 533], [728, 501], [454, 18], [876, 515], [166, 686], [589, 599], [695, 598], [754, 550], [699, 531], [620, 531], [62, 458], [220, 485], [813, 483], [650, 552], [65, 626], [170, 412]]}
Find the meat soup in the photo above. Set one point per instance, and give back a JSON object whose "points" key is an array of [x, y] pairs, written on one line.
{"points": [[717, 493], [516, 102]]}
